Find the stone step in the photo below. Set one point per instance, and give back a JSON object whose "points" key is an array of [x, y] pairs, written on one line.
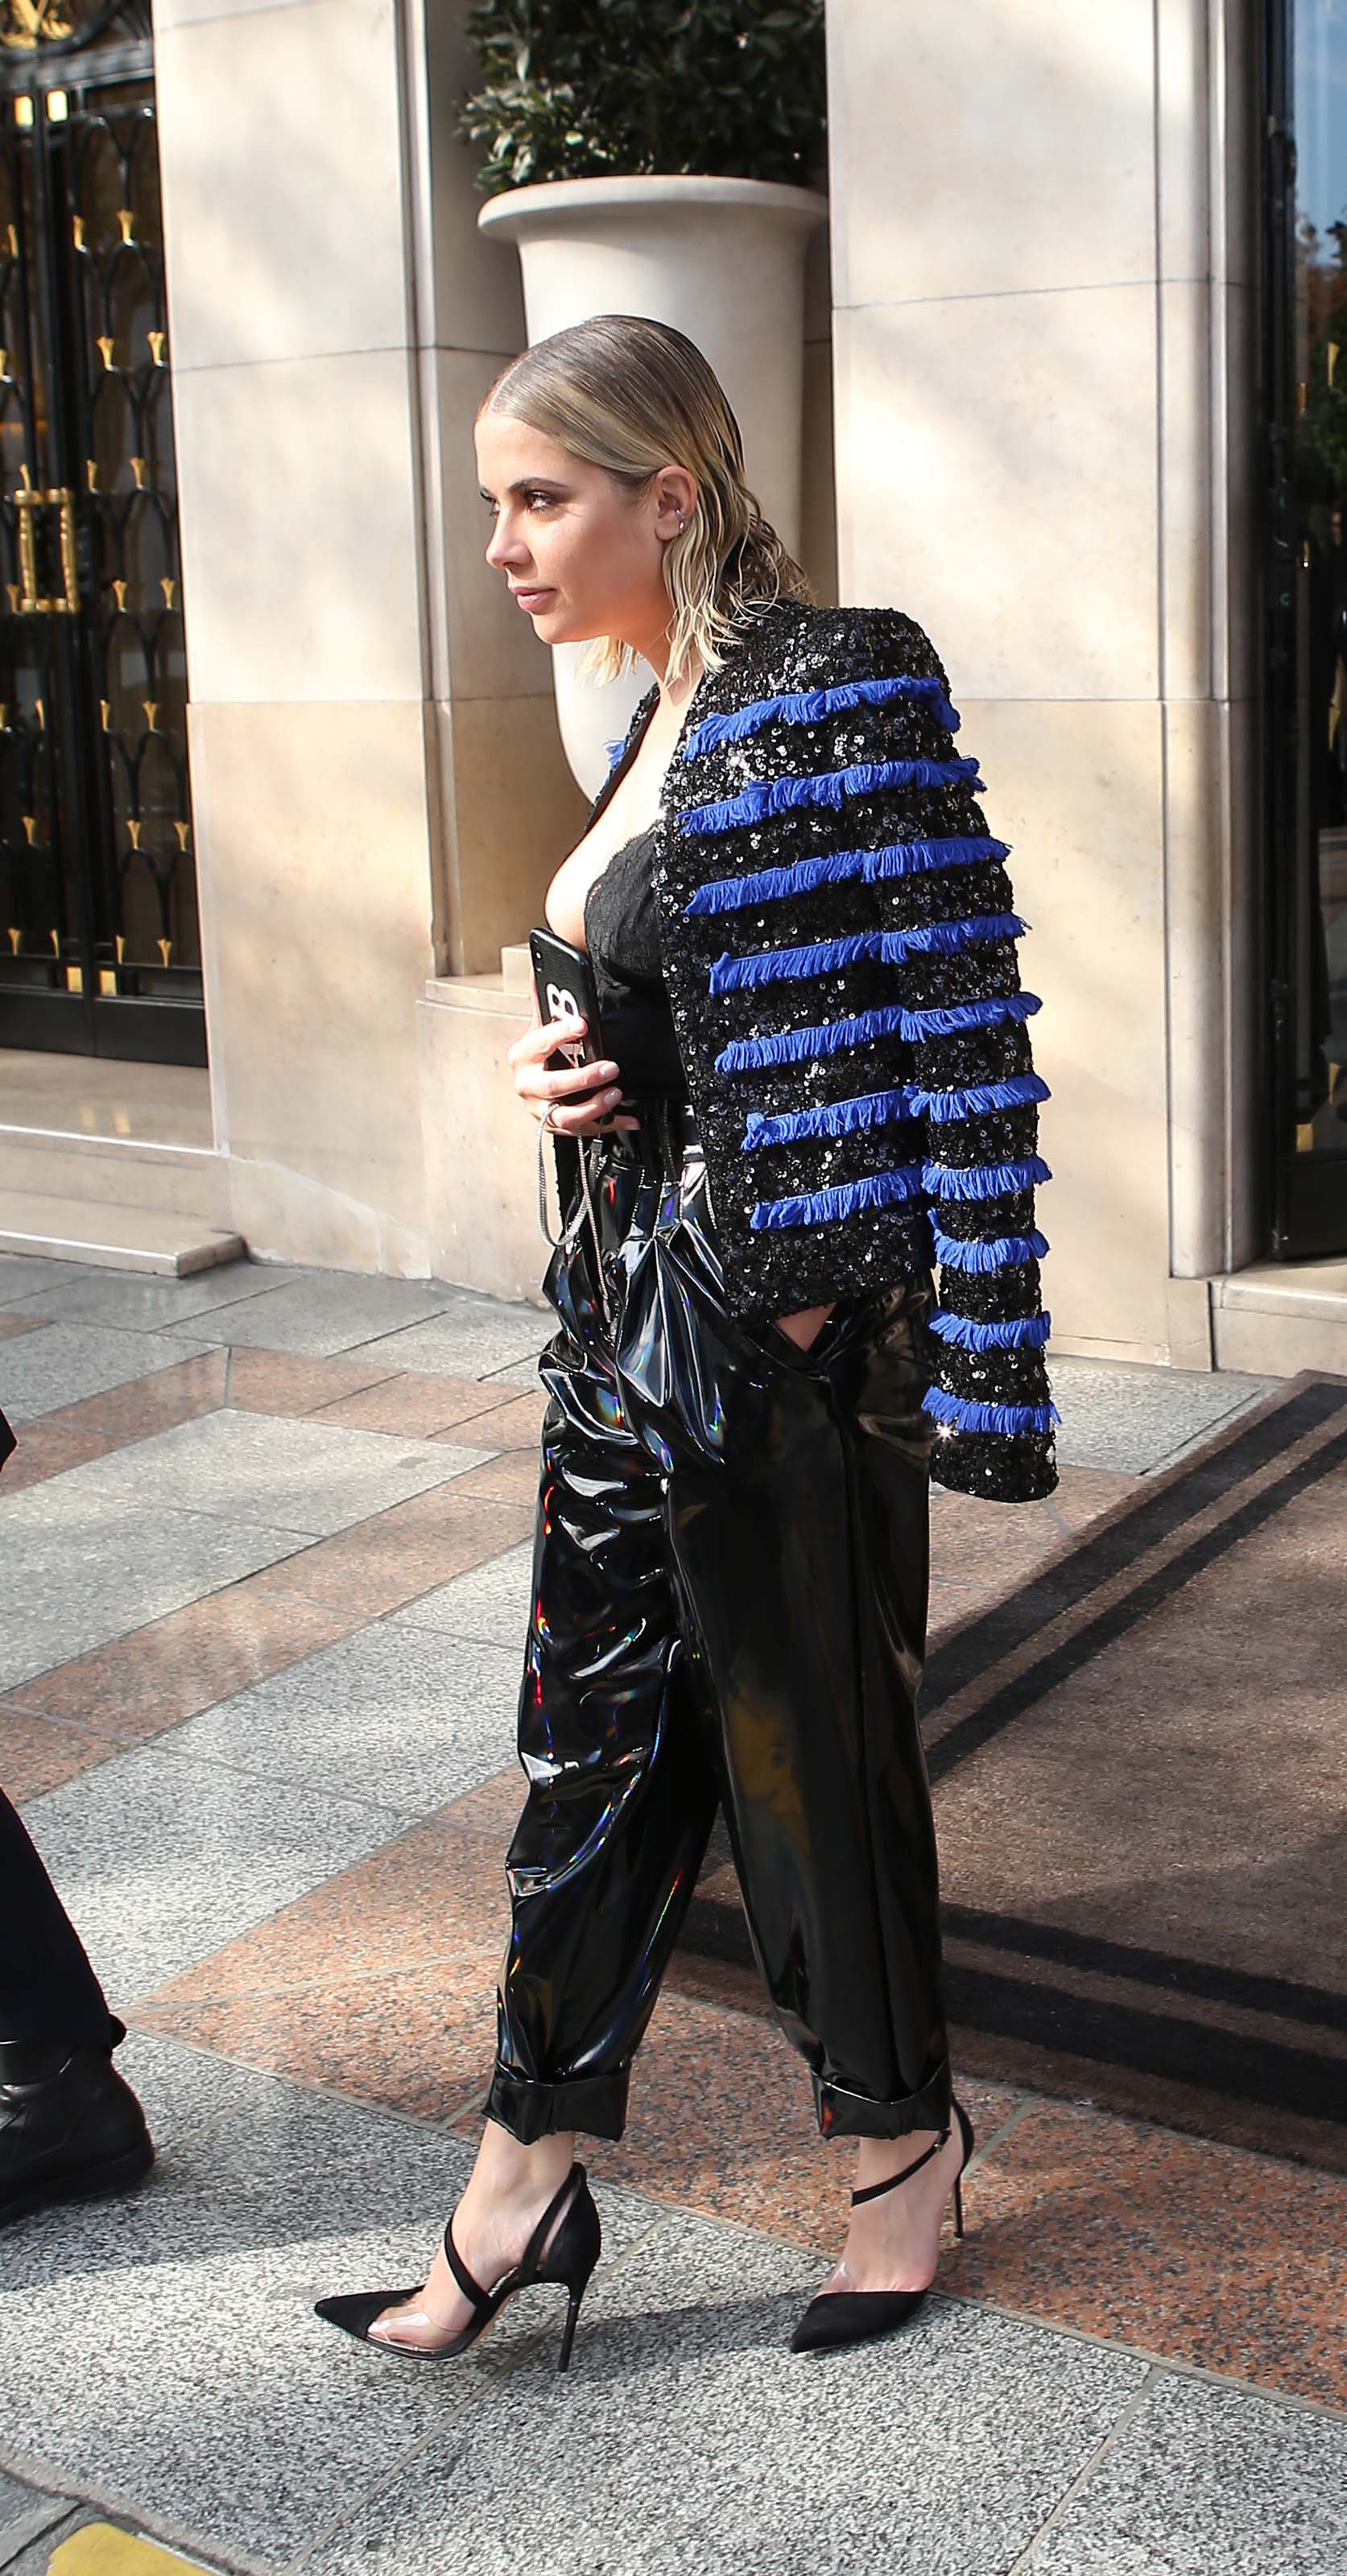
{"points": [[112, 1234], [1280, 1316], [170, 1180]]}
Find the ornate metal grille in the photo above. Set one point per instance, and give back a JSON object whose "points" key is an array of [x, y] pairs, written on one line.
{"points": [[99, 944]]}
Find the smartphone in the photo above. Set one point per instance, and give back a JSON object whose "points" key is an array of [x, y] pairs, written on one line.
{"points": [[563, 980]]}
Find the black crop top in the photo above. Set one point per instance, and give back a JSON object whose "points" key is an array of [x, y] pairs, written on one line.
{"points": [[622, 937]]}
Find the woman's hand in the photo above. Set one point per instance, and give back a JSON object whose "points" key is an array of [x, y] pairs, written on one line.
{"points": [[574, 1100], [802, 1328]]}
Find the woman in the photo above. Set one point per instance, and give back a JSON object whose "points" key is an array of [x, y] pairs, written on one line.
{"points": [[814, 1076]]}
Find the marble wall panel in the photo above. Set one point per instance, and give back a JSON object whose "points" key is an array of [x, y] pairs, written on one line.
{"points": [[281, 161], [997, 457], [300, 530], [316, 941], [999, 146]]}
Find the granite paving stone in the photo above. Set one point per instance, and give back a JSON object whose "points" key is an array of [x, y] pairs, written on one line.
{"points": [[1204, 2481], [134, 1562], [327, 1311], [492, 1602], [136, 1685], [472, 1337], [138, 1302], [24, 2511], [687, 2435], [38, 1753], [22, 1273], [160, 1860], [306, 1476], [415, 1401], [401, 1715], [522, 1373], [1204, 2253], [65, 1361], [163, 2347], [1124, 1416], [293, 1382]]}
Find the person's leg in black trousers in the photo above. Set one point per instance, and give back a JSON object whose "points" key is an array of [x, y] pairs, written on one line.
{"points": [[70, 2128]]}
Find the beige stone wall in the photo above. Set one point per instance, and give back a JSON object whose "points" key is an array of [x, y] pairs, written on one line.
{"points": [[377, 780], [1040, 308]]}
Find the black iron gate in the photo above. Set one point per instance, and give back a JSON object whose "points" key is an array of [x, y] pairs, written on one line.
{"points": [[99, 944]]}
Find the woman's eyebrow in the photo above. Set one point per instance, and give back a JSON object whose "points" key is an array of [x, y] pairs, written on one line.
{"points": [[526, 483]]}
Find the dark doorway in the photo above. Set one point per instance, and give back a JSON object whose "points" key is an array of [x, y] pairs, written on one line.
{"points": [[99, 942], [1305, 380]]}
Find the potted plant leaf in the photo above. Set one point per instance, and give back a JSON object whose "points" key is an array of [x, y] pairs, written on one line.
{"points": [[659, 157]]}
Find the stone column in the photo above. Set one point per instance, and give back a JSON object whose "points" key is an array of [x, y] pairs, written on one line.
{"points": [[373, 768], [1040, 317]]}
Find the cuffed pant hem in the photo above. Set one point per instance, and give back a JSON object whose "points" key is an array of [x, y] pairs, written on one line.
{"points": [[855, 2115], [595, 2103]]}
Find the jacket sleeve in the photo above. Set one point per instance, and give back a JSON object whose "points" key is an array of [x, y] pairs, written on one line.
{"points": [[854, 1027]]}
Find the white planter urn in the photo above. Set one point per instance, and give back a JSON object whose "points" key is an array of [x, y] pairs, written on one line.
{"points": [[721, 260]]}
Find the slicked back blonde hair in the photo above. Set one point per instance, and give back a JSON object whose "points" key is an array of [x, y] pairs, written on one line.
{"points": [[633, 395]]}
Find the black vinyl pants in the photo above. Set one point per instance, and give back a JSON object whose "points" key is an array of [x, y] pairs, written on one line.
{"points": [[729, 1607]]}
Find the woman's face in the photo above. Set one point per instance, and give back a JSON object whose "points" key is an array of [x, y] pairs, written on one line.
{"points": [[582, 556]]}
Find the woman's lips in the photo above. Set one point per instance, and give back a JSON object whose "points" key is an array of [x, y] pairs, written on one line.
{"points": [[529, 600]]}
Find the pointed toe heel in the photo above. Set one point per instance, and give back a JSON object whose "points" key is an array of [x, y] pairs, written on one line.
{"points": [[569, 2260], [838, 2317]]}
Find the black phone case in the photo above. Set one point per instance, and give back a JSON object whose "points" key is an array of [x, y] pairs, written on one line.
{"points": [[563, 980]]}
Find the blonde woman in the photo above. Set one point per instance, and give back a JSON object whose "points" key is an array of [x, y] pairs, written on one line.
{"points": [[815, 1082]]}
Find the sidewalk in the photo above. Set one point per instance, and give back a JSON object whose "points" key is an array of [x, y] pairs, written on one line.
{"points": [[263, 1550]]}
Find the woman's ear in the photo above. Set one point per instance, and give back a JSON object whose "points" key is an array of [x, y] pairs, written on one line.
{"points": [[675, 500]]}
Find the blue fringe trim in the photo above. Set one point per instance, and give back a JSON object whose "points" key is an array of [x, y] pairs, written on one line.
{"points": [[828, 787], [833, 867], [810, 706], [984, 1180], [942, 1107], [987, 1252], [615, 751], [968, 1415], [969, 1015], [829, 956], [823, 1207], [788, 1046], [838, 1118], [1017, 1333]]}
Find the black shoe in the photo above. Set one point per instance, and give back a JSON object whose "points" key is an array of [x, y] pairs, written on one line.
{"points": [[855, 2316], [70, 2128], [570, 2259]]}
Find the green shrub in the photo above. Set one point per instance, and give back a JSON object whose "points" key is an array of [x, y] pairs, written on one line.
{"points": [[585, 89]]}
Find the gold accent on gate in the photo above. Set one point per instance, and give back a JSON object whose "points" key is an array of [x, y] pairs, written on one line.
{"points": [[13, 231], [133, 830], [106, 345], [31, 601], [74, 979], [119, 594], [40, 711], [91, 472], [105, 710], [58, 106], [157, 341], [23, 111], [77, 228], [107, 979], [151, 707], [165, 948], [168, 585], [126, 218], [140, 469], [13, 589], [182, 829], [29, 822], [14, 938]]}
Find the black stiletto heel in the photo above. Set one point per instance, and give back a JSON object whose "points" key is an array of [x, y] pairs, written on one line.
{"points": [[569, 2260], [855, 2316]]}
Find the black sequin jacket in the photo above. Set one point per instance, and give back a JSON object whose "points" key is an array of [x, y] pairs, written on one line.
{"points": [[838, 937]]}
